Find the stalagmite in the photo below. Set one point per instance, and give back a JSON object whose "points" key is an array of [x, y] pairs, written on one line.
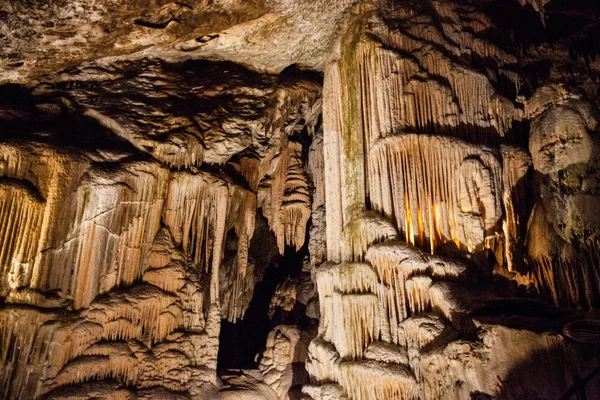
{"points": [[285, 348]]}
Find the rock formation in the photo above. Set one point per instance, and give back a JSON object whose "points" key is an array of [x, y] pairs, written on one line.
{"points": [[312, 200]]}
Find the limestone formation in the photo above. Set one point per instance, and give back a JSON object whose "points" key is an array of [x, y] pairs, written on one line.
{"points": [[316, 200]]}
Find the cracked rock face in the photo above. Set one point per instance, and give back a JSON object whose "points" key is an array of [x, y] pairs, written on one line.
{"points": [[314, 200]]}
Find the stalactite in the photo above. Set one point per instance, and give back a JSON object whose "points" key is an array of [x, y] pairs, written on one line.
{"points": [[390, 80], [122, 217], [283, 191], [346, 290], [81, 337], [417, 291], [395, 263], [180, 151], [288, 205], [562, 233], [360, 316], [22, 214], [139, 314], [241, 218], [295, 101], [68, 349], [317, 245], [23, 337], [396, 82], [373, 380], [333, 280], [352, 278], [447, 94], [119, 367], [438, 189], [418, 331], [95, 223], [516, 164], [429, 90], [193, 204], [131, 252], [170, 279], [569, 281]]}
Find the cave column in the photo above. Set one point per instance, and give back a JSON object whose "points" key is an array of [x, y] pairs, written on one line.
{"points": [[343, 138]]}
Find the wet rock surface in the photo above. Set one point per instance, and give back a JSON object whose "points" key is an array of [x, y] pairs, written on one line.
{"points": [[299, 200]]}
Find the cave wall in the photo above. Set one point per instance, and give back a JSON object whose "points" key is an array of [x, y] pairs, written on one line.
{"points": [[284, 200]]}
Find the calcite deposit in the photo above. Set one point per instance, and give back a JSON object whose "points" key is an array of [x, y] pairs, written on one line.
{"points": [[316, 200]]}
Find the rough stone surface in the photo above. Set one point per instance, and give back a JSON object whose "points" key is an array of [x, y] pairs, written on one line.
{"points": [[317, 200]]}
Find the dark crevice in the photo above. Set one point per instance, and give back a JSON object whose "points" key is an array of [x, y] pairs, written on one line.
{"points": [[240, 342]]}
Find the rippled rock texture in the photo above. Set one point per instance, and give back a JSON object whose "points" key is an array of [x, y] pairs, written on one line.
{"points": [[299, 199]]}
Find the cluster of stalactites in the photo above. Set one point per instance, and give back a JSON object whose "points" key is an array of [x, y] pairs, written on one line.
{"points": [[571, 281], [346, 294], [19, 335], [127, 336], [93, 225], [405, 277], [295, 203], [375, 380], [286, 197], [274, 167], [146, 311], [117, 219], [437, 190], [199, 210], [376, 296], [384, 82], [374, 316], [411, 78], [22, 215], [195, 213]]}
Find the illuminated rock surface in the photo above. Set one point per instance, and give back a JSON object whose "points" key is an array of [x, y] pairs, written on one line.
{"points": [[280, 199]]}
